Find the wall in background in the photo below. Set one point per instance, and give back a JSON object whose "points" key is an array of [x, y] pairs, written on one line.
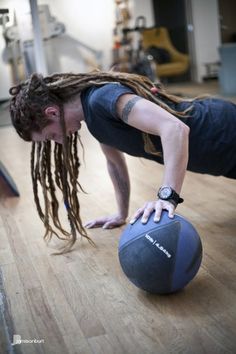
{"points": [[5, 72], [204, 37], [88, 21], [92, 23], [227, 12], [142, 8], [5, 69]]}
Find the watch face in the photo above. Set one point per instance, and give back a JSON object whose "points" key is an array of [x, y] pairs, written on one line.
{"points": [[165, 192]]}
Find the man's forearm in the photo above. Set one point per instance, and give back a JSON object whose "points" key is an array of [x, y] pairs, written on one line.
{"points": [[175, 147], [120, 179]]}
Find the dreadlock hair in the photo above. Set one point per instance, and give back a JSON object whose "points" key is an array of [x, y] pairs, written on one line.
{"points": [[27, 106]]}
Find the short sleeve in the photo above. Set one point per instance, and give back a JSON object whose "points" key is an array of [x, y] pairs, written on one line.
{"points": [[102, 101]]}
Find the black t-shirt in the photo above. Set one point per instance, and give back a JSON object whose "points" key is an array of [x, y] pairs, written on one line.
{"points": [[212, 122]]}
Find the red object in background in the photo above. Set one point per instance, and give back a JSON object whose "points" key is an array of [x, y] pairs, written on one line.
{"points": [[154, 90]]}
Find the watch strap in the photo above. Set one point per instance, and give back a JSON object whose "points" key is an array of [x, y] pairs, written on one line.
{"points": [[174, 197]]}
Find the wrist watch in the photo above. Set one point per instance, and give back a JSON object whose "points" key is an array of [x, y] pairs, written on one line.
{"points": [[169, 194]]}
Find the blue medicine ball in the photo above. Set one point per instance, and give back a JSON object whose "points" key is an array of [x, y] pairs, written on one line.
{"points": [[160, 257]]}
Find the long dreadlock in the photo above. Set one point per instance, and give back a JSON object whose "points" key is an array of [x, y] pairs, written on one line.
{"points": [[30, 98]]}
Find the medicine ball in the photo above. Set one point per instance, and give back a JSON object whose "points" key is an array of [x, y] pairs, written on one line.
{"points": [[160, 257]]}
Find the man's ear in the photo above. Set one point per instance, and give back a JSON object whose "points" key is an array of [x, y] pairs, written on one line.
{"points": [[52, 112]]}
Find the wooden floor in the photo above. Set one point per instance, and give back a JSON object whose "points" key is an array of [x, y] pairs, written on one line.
{"points": [[81, 302]]}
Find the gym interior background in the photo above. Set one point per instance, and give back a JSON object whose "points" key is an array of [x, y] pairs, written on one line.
{"points": [[81, 302]]}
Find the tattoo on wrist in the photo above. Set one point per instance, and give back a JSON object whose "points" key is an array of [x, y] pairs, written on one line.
{"points": [[128, 107]]}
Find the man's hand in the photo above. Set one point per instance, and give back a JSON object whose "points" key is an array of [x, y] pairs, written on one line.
{"points": [[106, 222], [149, 207]]}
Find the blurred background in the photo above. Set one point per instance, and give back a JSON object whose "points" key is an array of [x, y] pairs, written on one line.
{"points": [[181, 41]]}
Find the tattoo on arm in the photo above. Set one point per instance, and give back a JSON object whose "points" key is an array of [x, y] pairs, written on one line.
{"points": [[128, 107], [121, 185]]}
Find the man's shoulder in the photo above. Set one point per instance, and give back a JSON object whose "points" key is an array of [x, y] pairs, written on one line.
{"points": [[103, 98], [109, 90]]}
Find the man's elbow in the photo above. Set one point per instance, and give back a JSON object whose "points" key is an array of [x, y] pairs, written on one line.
{"points": [[182, 129]]}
